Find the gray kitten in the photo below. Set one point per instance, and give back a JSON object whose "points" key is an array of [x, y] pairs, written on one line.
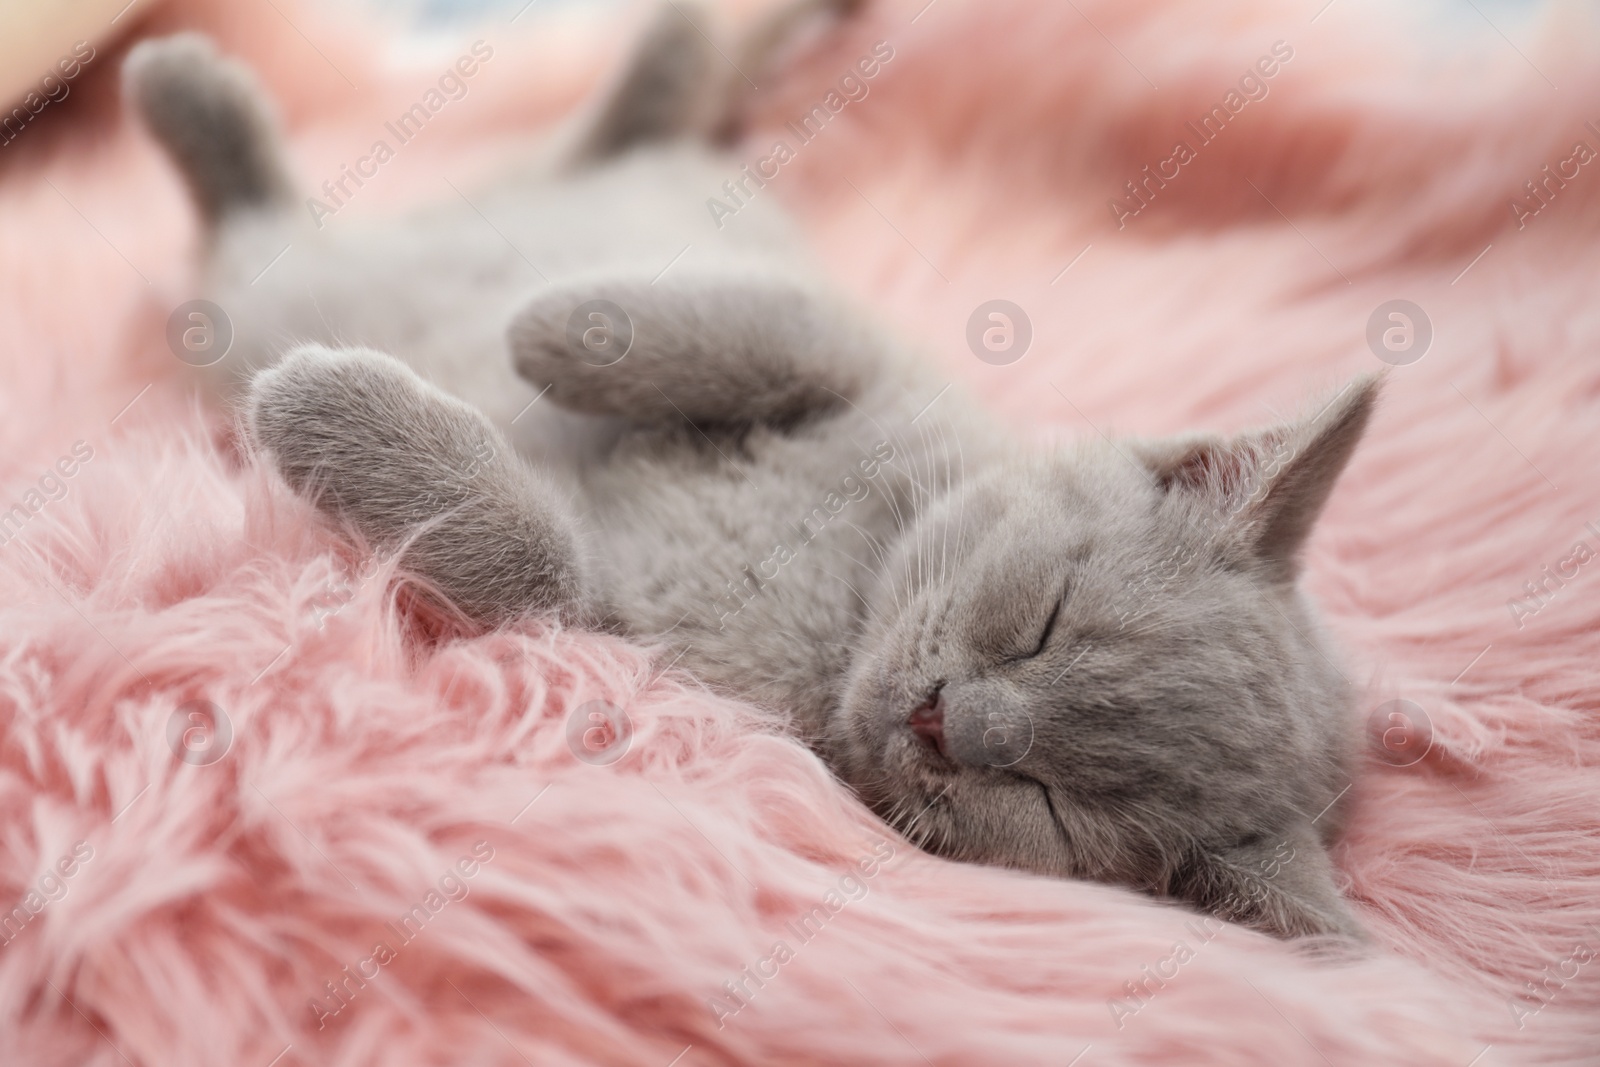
{"points": [[1090, 662]]}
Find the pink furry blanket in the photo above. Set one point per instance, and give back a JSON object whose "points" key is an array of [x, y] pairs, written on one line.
{"points": [[380, 850]]}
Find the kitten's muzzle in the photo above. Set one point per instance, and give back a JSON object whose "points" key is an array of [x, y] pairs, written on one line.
{"points": [[983, 724]]}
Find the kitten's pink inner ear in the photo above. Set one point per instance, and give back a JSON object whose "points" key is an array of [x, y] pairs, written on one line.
{"points": [[1300, 474], [1271, 483], [1226, 470], [1196, 467]]}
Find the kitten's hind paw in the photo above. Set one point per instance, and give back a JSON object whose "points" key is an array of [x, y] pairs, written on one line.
{"points": [[211, 116], [409, 466]]}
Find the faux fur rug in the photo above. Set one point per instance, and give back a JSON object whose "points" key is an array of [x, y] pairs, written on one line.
{"points": [[377, 850]]}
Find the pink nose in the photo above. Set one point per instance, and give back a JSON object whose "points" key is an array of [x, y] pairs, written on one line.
{"points": [[927, 721]]}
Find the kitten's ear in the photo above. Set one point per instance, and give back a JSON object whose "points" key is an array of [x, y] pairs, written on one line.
{"points": [[1272, 483], [1281, 885]]}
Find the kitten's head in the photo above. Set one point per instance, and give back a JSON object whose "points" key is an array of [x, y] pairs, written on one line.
{"points": [[1095, 664]]}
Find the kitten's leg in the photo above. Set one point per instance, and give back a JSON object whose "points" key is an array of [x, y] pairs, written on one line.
{"points": [[667, 90], [209, 113], [408, 465], [1282, 884], [760, 47], [718, 349], [680, 84]]}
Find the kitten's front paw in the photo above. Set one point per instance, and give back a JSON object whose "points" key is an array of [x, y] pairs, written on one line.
{"points": [[211, 115], [408, 465], [166, 76], [329, 417]]}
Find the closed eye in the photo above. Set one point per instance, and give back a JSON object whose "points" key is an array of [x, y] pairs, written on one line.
{"points": [[1049, 628]]}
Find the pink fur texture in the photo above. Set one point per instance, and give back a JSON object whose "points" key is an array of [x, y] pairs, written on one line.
{"points": [[184, 914]]}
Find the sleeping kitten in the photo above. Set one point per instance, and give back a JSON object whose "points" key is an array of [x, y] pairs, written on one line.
{"points": [[1090, 662]]}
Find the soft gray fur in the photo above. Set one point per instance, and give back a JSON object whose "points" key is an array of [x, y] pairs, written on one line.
{"points": [[1089, 662]]}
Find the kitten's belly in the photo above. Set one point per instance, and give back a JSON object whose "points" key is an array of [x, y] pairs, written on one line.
{"points": [[753, 567]]}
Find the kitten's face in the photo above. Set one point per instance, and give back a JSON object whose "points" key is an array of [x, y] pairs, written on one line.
{"points": [[1077, 667]]}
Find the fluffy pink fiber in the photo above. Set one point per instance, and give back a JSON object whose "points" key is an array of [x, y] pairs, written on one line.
{"points": [[365, 763]]}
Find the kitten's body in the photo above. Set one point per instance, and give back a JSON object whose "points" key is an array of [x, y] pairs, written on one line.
{"points": [[672, 523], [971, 635]]}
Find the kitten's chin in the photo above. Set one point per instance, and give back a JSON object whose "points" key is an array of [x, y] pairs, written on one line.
{"points": [[918, 764]]}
